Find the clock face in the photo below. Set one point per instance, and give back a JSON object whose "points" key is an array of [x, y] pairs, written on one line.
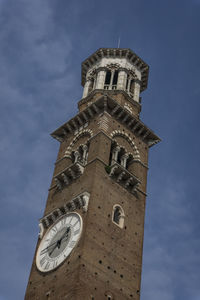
{"points": [[58, 242]]}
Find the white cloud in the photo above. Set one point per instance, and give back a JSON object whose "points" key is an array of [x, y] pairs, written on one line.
{"points": [[168, 243]]}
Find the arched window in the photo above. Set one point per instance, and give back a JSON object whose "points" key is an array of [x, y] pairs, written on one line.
{"points": [[111, 80], [119, 155], [108, 77], [132, 86], [127, 80], [80, 155], [118, 215], [115, 78]]}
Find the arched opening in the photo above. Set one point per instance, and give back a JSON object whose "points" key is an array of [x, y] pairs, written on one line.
{"points": [[132, 85], [111, 80], [118, 216], [127, 80], [115, 79], [81, 154], [108, 77]]}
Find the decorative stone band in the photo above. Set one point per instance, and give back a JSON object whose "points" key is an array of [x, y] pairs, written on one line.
{"points": [[68, 175], [124, 178], [111, 106], [81, 133], [80, 201], [116, 66]]}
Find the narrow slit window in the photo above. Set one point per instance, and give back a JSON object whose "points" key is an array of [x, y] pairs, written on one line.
{"points": [[127, 82], [132, 86]]}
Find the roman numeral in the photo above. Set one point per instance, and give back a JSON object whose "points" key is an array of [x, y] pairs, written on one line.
{"points": [[54, 229], [63, 222], [55, 263], [42, 261], [47, 265], [70, 220]]}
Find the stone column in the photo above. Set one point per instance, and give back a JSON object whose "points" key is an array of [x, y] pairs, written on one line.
{"points": [[86, 87], [115, 154], [111, 79], [100, 80], [129, 84], [77, 156], [121, 83], [124, 160], [136, 91], [85, 152]]}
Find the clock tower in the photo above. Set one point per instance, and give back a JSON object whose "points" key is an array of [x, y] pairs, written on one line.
{"points": [[91, 234]]}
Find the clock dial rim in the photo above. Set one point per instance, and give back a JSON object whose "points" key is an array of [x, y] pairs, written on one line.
{"points": [[41, 245]]}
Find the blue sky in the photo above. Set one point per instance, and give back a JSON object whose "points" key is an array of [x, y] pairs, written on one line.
{"points": [[42, 45]]}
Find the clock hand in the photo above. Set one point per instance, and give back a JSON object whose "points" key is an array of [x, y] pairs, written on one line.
{"points": [[46, 249], [65, 235], [67, 231], [58, 243], [53, 249]]}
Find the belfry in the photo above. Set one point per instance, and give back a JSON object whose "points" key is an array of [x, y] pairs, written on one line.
{"points": [[91, 234]]}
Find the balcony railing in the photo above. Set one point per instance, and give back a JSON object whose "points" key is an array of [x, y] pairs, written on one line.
{"points": [[110, 87]]}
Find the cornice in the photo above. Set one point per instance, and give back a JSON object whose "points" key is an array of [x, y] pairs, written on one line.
{"points": [[111, 106]]}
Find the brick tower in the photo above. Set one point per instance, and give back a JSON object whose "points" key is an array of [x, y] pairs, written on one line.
{"points": [[91, 235]]}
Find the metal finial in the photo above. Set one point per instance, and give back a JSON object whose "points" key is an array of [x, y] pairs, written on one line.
{"points": [[118, 42]]}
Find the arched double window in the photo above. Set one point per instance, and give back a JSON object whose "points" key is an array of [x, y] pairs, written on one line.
{"points": [[118, 215], [119, 155], [80, 155], [111, 80]]}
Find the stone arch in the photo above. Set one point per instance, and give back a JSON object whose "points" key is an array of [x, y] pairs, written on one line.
{"points": [[83, 132], [136, 153], [112, 66]]}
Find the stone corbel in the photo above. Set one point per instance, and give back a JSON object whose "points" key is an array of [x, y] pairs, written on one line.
{"points": [[86, 198]]}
